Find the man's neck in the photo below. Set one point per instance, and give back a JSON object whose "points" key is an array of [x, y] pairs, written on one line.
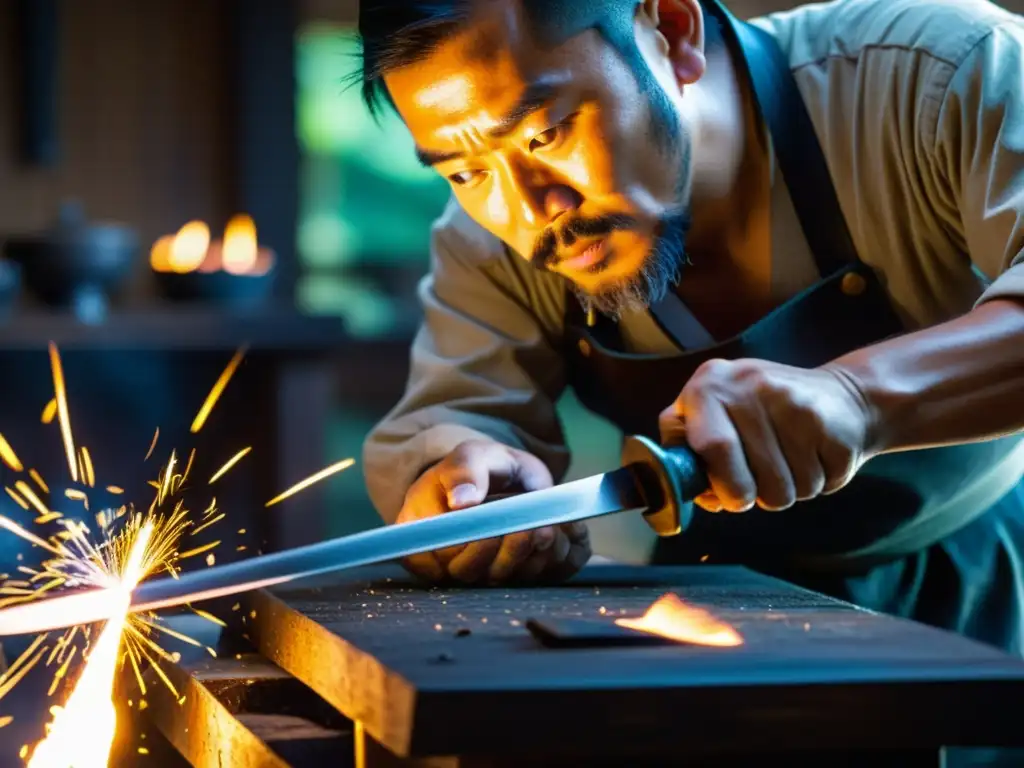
{"points": [[730, 157]]}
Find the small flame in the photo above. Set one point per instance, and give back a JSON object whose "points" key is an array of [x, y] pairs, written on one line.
{"points": [[188, 248], [192, 250], [671, 618], [240, 245], [82, 732]]}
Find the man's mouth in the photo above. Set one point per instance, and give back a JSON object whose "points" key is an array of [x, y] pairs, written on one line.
{"points": [[590, 257]]}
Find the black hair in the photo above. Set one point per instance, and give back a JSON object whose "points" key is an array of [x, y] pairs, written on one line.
{"points": [[396, 33]]}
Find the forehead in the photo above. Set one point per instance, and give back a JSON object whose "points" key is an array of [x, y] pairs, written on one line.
{"points": [[483, 68]]}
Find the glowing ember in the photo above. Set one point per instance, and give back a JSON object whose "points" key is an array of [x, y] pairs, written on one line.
{"points": [[671, 618], [82, 732]]}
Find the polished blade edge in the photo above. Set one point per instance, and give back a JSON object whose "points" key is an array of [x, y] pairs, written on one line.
{"points": [[584, 499]]}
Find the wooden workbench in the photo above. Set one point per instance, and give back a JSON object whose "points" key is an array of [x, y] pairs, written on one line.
{"points": [[815, 677]]}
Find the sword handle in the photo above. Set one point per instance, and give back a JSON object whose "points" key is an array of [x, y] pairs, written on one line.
{"points": [[669, 477]]}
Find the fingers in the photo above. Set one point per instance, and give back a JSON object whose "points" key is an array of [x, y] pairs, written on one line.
{"points": [[801, 456], [476, 468], [514, 550], [839, 465], [774, 484], [425, 566], [471, 565], [711, 434]]}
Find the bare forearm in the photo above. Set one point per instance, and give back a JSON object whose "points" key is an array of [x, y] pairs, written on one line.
{"points": [[958, 382]]}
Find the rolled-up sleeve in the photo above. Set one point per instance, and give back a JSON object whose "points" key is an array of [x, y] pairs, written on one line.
{"points": [[979, 150], [486, 363]]}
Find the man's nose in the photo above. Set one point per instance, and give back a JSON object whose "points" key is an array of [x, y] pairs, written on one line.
{"points": [[559, 199], [542, 198]]}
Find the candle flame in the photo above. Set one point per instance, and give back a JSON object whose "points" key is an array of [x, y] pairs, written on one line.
{"points": [[240, 245], [188, 248], [82, 731], [671, 618]]}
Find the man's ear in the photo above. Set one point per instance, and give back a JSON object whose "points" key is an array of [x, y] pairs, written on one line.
{"points": [[680, 24]]}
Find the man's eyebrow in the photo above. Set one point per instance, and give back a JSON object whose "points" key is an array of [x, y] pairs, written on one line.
{"points": [[535, 97], [430, 157]]}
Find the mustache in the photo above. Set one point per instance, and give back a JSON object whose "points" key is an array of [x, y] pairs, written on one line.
{"points": [[546, 248]]}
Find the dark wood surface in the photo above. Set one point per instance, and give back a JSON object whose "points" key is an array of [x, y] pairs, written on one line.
{"points": [[813, 672]]}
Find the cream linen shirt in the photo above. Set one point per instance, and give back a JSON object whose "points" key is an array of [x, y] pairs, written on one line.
{"points": [[919, 108]]}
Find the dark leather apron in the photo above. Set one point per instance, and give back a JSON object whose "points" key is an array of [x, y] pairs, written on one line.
{"points": [[968, 577]]}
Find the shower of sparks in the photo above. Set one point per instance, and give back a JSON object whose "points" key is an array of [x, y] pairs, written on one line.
{"points": [[82, 731], [128, 545]]}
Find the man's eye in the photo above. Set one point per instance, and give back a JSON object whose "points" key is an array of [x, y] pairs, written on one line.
{"points": [[465, 178], [547, 138], [553, 135]]}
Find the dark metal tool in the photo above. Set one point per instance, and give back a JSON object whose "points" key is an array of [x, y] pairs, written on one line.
{"points": [[658, 482]]}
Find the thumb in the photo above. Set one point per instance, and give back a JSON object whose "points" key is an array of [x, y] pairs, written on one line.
{"points": [[465, 474]]}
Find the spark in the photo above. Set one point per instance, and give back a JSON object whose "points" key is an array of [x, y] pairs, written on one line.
{"points": [[90, 477], [229, 464], [323, 473], [62, 410], [152, 445], [21, 502], [199, 550], [49, 411], [29, 495], [39, 480], [9, 457], [217, 391]]}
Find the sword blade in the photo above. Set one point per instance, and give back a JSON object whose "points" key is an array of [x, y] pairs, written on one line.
{"points": [[613, 492]]}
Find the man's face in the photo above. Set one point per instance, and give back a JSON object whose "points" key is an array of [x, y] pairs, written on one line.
{"points": [[553, 150]]}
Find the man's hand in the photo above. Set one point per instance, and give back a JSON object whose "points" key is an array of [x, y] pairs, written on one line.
{"points": [[770, 434], [463, 479]]}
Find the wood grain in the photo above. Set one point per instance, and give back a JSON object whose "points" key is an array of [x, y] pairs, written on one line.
{"points": [[813, 671]]}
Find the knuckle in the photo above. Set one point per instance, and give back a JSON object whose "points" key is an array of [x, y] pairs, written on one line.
{"points": [[463, 453], [715, 449], [714, 369]]}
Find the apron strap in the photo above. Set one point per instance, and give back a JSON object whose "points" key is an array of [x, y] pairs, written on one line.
{"points": [[795, 143], [680, 324]]}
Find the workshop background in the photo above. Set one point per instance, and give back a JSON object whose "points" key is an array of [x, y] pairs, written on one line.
{"points": [[160, 114]]}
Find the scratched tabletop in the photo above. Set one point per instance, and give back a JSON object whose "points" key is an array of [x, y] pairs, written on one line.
{"points": [[456, 671]]}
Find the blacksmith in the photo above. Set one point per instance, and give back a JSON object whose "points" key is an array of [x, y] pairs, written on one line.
{"points": [[796, 244]]}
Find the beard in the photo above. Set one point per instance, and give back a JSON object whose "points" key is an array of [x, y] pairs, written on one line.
{"points": [[660, 271]]}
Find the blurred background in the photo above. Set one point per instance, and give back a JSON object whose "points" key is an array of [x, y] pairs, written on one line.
{"points": [[184, 177], [180, 179]]}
